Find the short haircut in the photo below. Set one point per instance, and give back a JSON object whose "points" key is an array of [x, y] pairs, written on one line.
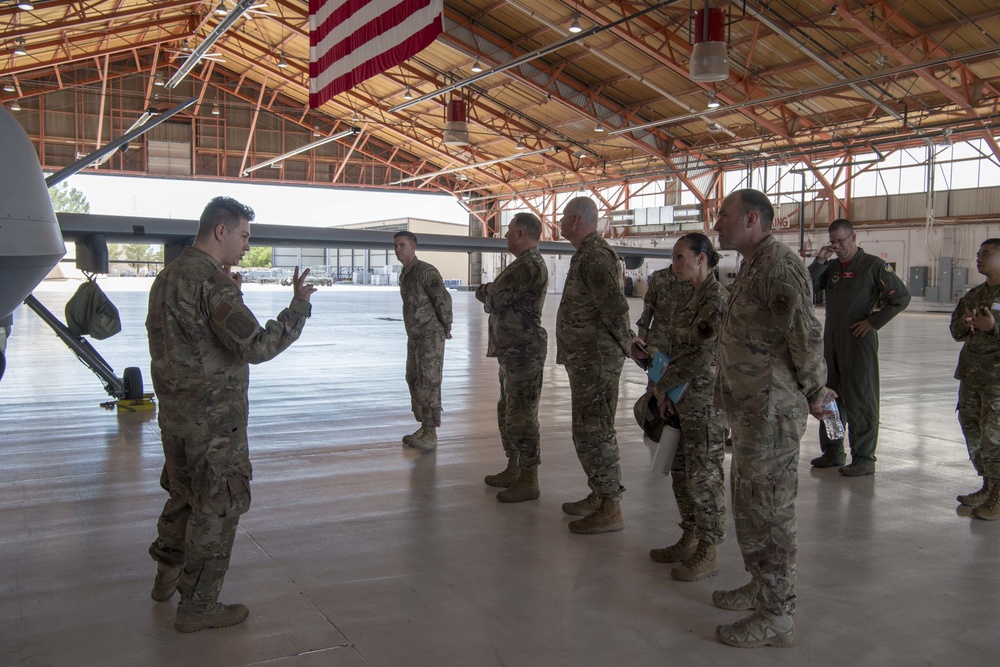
{"points": [[406, 235], [993, 242], [223, 211], [585, 208], [755, 200], [698, 243], [842, 224], [529, 223]]}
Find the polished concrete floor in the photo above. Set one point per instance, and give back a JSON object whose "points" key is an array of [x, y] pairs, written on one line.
{"points": [[358, 551]]}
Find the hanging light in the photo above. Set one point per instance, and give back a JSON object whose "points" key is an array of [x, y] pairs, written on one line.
{"points": [[19, 49], [158, 80], [476, 67], [574, 27], [355, 118], [26, 5], [282, 63], [709, 57], [713, 101], [221, 9], [316, 132], [599, 127], [8, 87], [215, 109], [15, 106], [520, 145], [408, 95]]}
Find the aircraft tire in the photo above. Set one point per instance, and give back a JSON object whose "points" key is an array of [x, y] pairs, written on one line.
{"points": [[133, 383]]}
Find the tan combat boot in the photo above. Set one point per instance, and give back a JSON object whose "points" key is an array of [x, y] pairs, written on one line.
{"points": [[583, 507], [701, 565], [407, 439], [676, 553], [165, 582], [426, 441], [990, 509], [976, 498], [192, 618], [525, 488], [506, 478], [606, 519]]}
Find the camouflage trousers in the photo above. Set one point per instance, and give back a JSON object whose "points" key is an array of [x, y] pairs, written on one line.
{"points": [[517, 409], [424, 367], [594, 392], [697, 473], [979, 416], [765, 483], [209, 490]]}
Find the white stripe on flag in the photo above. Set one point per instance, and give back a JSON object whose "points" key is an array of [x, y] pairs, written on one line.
{"points": [[371, 48]]}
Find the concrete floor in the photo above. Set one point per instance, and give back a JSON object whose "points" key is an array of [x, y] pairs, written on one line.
{"points": [[358, 551]]}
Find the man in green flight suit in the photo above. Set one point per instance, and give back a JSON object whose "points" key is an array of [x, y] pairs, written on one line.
{"points": [[862, 295]]}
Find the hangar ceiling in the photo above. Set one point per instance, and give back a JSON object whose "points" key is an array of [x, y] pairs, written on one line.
{"points": [[809, 81]]}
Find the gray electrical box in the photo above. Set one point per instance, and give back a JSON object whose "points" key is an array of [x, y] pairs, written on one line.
{"points": [[959, 279], [918, 280], [944, 279]]}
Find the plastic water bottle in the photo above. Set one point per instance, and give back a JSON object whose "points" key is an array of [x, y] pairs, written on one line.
{"points": [[831, 421]]}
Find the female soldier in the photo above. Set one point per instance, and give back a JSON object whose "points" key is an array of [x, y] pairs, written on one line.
{"points": [[697, 469]]}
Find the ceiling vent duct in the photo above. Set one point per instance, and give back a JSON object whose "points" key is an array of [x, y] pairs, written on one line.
{"points": [[456, 130], [710, 57]]}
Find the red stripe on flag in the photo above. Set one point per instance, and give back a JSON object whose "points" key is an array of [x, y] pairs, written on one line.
{"points": [[381, 24], [377, 65]]}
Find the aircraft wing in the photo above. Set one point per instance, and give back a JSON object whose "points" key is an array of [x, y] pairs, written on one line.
{"points": [[126, 229]]}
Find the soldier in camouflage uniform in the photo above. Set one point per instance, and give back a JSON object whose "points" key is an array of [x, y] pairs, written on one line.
{"points": [[862, 295], [974, 322], [201, 340], [427, 318], [592, 340], [514, 302], [665, 295], [771, 374], [689, 339]]}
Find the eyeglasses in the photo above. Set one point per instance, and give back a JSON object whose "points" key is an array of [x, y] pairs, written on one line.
{"points": [[840, 241]]}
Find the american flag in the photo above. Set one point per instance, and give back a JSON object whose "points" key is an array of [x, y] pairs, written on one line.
{"points": [[353, 40]]}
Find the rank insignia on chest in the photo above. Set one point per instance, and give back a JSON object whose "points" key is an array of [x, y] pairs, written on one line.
{"points": [[704, 329], [780, 303]]}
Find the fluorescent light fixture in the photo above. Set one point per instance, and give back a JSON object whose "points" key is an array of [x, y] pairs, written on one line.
{"points": [[225, 24], [476, 67], [574, 27], [421, 177], [325, 140]]}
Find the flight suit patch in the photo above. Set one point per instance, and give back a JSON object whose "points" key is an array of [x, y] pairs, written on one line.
{"points": [[780, 303], [705, 329], [835, 278]]}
